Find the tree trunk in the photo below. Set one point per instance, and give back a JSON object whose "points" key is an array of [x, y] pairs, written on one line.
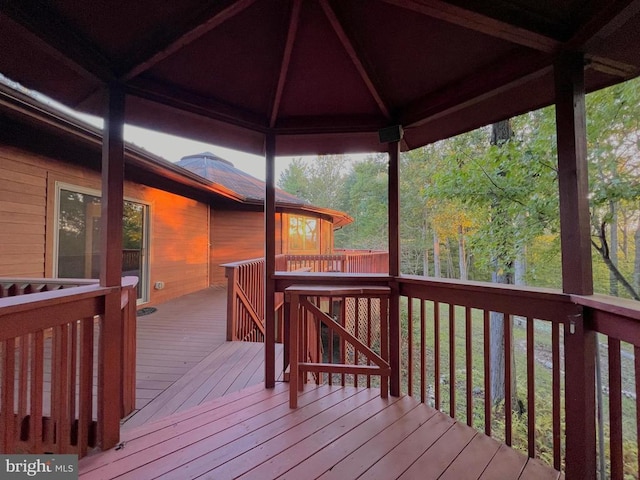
{"points": [[613, 248], [437, 272], [501, 132], [636, 262], [462, 258], [425, 255], [496, 350]]}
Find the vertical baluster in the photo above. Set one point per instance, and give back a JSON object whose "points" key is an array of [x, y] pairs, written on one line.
{"points": [[469, 365], [423, 353], [615, 409], [85, 402], [531, 385], [296, 315], [452, 360], [23, 377], [63, 426], [384, 340], [409, 346], [487, 373], [636, 361], [343, 344], [8, 392], [52, 424], [330, 337], [508, 407], [356, 315], [555, 388], [369, 333], [73, 371], [37, 381], [436, 353]]}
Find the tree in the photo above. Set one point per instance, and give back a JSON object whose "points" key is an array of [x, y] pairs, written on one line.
{"points": [[613, 133]]}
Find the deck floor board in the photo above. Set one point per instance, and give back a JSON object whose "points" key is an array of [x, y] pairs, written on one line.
{"points": [[336, 432], [183, 358]]}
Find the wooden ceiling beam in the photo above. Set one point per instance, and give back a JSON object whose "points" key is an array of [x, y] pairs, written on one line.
{"points": [[50, 34], [180, 99], [603, 23], [333, 124], [478, 22], [286, 60], [367, 78], [181, 39], [505, 75]]}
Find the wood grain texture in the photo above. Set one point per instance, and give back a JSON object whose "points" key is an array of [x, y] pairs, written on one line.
{"points": [[336, 432]]}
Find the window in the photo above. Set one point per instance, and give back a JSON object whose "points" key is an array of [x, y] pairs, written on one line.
{"points": [[303, 233], [78, 237]]}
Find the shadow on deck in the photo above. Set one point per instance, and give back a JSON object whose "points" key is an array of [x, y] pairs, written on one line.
{"points": [[183, 358]]}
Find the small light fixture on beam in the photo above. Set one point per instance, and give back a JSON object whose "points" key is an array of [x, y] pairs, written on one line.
{"points": [[390, 134]]}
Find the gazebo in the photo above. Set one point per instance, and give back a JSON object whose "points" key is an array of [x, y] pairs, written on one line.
{"points": [[291, 77]]}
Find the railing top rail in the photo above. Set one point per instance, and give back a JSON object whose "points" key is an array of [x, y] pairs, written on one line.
{"points": [[286, 279], [614, 305], [49, 281], [21, 303], [242, 262], [470, 285]]}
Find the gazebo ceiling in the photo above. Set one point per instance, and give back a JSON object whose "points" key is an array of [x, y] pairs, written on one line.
{"points": [[323, 75]]}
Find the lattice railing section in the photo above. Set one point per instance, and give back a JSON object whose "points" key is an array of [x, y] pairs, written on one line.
{"points": [[362, 320]]}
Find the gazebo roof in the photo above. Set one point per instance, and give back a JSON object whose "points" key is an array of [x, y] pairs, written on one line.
{"points": [[322, 75]]}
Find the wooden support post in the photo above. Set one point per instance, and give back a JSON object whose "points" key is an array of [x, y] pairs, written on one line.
{"points": [[575, 233], [576, 265], [270, 262], [232, 282], [394, 266], [580, 401], [109, 367]]}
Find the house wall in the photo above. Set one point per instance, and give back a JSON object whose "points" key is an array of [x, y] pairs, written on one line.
{"points": [[237, 236], [178, 228]]}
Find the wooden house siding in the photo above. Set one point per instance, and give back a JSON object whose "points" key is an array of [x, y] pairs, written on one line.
{"points": [[178, 226], [237, 236]]}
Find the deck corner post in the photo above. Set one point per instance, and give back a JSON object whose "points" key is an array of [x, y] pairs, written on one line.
{"points": [[394, 267], [270, 261], [110, 352], [580, 401], [573, 184]]}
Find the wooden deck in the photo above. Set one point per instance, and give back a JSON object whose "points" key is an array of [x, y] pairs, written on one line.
{"points": [[336, 432], [183, 358]]}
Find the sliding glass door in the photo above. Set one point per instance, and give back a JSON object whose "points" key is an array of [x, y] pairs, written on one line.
{"points": [[78, 237]]}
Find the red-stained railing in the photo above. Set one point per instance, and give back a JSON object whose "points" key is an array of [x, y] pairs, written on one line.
{"points": [[444, 331], [245, 286], [245, 300], [55, 337], [338, 332]]}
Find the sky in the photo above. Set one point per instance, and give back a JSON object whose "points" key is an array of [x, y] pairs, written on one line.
{"points": [[173, 148]]}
